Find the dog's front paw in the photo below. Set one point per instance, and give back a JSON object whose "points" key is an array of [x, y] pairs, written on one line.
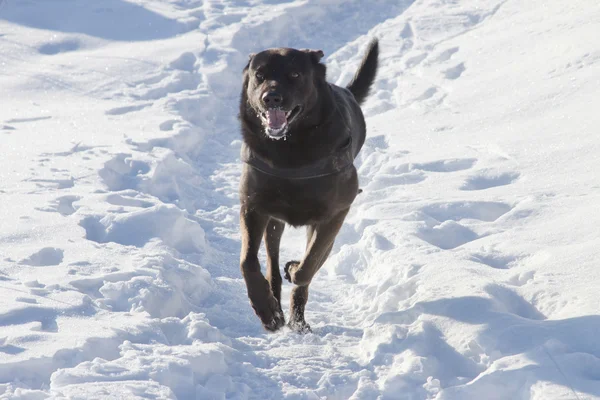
{"points": [[290, 270], [294, 274], [265, 305], [270, 314]]}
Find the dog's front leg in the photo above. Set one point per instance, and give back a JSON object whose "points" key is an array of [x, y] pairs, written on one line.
{"points": [[263, 302], [272, 237]]}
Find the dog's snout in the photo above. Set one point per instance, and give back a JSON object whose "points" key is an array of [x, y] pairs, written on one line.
{"points": [[272, 99]]}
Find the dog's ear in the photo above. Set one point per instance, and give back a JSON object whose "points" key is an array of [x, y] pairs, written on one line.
{"points": [[246, 77], [250, 57], [245, 74], [315, 55]]}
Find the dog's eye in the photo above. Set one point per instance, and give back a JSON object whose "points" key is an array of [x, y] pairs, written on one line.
{"points": [[294, 75], [259, 76]]}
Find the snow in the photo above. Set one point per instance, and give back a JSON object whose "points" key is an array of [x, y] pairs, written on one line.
{"points": [[467, 268]]}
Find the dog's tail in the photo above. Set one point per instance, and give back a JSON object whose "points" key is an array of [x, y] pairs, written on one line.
{"points": [[364, 77]]}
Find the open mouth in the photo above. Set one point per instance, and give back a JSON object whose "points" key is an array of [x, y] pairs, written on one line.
{"points": [[276, 121]]}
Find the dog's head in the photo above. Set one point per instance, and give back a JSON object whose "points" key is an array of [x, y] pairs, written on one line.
{"points": [[280, 85]]}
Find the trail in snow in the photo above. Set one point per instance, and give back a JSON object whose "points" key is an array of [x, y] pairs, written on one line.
{"points": [[449, 279]]}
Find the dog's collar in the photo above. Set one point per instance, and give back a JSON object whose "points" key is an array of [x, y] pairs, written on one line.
{"points": [[336, 162]]}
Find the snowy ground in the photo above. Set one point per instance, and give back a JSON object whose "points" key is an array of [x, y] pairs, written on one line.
{"points": [[468, 268]]}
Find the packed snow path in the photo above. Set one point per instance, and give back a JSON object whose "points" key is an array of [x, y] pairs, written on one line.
{"points": [[467, 269]]}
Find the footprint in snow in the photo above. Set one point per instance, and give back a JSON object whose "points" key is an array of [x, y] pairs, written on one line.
{"points": [[521, 279], [47, 256], [427, 94], [184, 62], [63, 46], [127, 201], [494, 259], [382, 243], [386, 181], [489, 179], [76, 148], [450, 233], [34, 284], [4, 278], [175, 82], [62, 205], [137, 228], [54, 183], [513, 303], [27, 300], [450, 165], [167, 125], [488, 211], [445, 55], [447, 235], [122, 172], [127, 109], [455, 72], [11, 349], [415, 60]]}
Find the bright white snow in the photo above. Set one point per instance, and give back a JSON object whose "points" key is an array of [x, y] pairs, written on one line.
{"points": [[467, 269]]}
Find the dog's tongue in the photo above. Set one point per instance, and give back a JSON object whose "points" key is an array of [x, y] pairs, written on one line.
{"points": [[276, 119]]}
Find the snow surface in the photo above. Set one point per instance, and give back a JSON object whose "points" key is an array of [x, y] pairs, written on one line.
{"points": [[467, 269]]}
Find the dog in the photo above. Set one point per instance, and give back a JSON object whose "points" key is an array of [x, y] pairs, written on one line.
{"points": [[301, 135]]}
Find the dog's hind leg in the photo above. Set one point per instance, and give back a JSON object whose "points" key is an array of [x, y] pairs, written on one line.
{"points": [[263, 302], [298, 301], [299, 295], [321, 238], [272, 236]]}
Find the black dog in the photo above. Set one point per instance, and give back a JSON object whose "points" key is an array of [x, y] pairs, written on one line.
{"points": [[301, 135]]}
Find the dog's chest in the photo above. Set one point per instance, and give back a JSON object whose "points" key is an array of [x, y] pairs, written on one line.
{"points": [[297, 207], [305, 202]]}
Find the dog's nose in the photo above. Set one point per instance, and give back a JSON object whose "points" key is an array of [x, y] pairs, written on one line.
{"points": [[272, 99]]}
